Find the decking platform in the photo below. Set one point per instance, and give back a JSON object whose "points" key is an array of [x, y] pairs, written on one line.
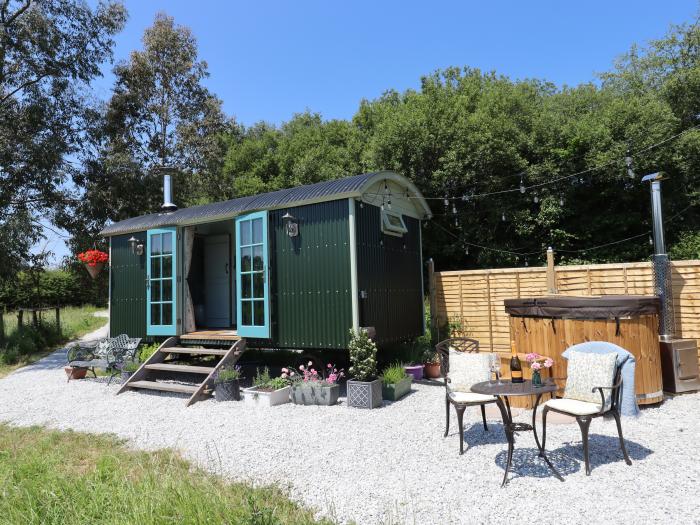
{"points": [[218, 334]]}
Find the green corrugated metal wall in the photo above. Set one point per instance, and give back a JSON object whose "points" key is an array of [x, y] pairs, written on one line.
{"points": [[128, 304], [311, 299], [389, 271]]}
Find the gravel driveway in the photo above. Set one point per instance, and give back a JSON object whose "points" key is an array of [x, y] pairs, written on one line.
{"points": [[392, 465]]}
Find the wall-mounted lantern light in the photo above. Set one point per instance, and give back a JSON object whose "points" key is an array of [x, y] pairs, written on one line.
{"points": [[136, 246], [291, 225]]}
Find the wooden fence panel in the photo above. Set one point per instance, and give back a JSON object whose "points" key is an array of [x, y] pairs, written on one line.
{"points": [[474, 298]]}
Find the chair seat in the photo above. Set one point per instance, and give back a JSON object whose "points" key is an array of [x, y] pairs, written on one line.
{"points": [[573, 406], [470, 397], [94, 363]]}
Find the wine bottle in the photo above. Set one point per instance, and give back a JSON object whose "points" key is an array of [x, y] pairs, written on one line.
{"points": [[516, 369]]}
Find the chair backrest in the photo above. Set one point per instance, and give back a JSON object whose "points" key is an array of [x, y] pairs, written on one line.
{"points": [[594, 367], [461, 344]]}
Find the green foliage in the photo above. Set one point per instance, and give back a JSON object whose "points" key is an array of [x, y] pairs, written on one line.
{"points": [[687, 246], [131, 366], [263, 380], [47, 288], [228, 374], [147, 350], [363, 356], [154, 487], [393, 374]]}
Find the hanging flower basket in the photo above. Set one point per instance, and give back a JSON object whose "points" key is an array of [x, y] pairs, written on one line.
{"points": [[94, 261]]}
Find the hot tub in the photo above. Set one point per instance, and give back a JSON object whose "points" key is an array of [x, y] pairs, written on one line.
{"points": [[549, 325]]}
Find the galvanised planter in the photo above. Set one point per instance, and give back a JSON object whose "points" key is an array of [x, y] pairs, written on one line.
{"points": [[396, 391], [228, 390], [310, 394], [364, 394], [416, 371], [256, 397]]}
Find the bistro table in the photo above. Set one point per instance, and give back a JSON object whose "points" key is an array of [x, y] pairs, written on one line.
{"points": [[502, 390]]}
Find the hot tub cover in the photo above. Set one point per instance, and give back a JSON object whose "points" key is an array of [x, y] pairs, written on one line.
{"points": [[572, 307]]}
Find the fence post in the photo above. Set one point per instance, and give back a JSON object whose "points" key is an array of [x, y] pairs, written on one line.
{"points": [[35, 319], [58, 319], [434, 336], [20, 318], [551, 276], [2, 325]]}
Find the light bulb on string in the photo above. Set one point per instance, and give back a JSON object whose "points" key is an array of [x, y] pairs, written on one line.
{"points": [[651, 241], [447, 202], [536, 198], [526, 262], [466, 250], [561, 201], [454, 209], [503, 217], [522, 184]]}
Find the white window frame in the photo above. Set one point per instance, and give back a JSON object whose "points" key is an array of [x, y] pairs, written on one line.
{"points": [[393, 229]]}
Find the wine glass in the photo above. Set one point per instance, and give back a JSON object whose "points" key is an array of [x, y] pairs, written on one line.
{"points": [[495, 367]]}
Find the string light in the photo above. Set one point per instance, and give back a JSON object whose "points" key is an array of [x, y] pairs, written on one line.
{"points": [[628, 163], [651, 241], [503, 217], [561, 201], [522, 184], [536, 198]]}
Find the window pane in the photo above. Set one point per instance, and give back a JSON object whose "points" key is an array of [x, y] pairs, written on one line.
{"points": [[167, 314], [155, 244], [155, 268], [259, 313], [155, 314], [245, 233], [245, 286], [246, 313], [246, 254], [258, 286], [167, 290], [257, 231], [257, 258], [155, 291], [167, 243], [167, 266]]}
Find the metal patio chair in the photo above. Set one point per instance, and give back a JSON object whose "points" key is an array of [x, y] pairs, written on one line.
{"points": [[586, 411], [460, 400]]}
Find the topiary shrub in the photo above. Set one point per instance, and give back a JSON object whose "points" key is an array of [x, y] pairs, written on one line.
{"points": [[363, 356]]}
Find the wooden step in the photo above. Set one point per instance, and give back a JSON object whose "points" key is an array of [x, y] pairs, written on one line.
{"points": [[194, 351], [181, 368], [166, 387]]}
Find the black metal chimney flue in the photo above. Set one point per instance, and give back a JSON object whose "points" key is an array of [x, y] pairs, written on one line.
{"points": [[168, 205], [660, 261]]}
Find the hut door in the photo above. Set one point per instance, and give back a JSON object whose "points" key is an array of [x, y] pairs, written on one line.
{"points": [[252, 287], [160, 282]]}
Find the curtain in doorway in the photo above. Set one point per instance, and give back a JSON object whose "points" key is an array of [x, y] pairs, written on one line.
{"points": [[188, 236]]}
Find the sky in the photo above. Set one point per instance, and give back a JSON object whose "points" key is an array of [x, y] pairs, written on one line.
{"points": [[271, 59]]}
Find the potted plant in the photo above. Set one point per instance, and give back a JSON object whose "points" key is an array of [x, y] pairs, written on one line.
{"points": [[267, 391], [128, 369], [414, 367], [227, 385], [396, 383], [364, 389], [94, 261], [537, 363], [310, 388], [432, 365], [74, 372]]}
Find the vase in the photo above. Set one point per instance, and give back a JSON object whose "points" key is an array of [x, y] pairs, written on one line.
{"points": [[414, 370], [432, 371], [536, 378]]}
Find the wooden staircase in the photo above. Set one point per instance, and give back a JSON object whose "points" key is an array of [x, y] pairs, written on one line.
{"points": [[168, 370]]}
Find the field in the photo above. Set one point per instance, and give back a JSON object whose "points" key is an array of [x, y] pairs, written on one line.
{"points": [[51, 477], [23, 350]]}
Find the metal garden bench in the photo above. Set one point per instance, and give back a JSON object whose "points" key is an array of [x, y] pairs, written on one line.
{"points": [[108, 354]]}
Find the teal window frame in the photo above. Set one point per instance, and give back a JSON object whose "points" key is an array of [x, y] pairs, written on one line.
{"points": [[161, 329], [252, 330]]}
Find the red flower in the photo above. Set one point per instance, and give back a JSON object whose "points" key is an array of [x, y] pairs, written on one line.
{"points": [[93, 257]]}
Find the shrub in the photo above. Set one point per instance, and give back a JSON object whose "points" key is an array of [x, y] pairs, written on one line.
{"points": [[363, 356], [147, 351], [131, 366], [393, 374], [9, 356], [263, 380]]}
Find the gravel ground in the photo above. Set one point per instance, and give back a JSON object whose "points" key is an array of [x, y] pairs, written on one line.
{"points": [[392, 465]]}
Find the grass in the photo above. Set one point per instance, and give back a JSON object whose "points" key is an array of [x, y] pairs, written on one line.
{"points": [[75, 322], [51, 477]]}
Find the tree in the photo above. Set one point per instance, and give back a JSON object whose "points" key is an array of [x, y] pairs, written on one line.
{"points": [[50, 50], [160, 114]]}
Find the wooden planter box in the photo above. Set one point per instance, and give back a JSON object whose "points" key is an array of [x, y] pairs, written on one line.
{"points": [[256, 397], [364, 394], [396, 391], [310, 394]]}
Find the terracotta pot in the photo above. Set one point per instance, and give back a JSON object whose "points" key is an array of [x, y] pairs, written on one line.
{"points": [[75, 373], [432, 370], [94, 271]]}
